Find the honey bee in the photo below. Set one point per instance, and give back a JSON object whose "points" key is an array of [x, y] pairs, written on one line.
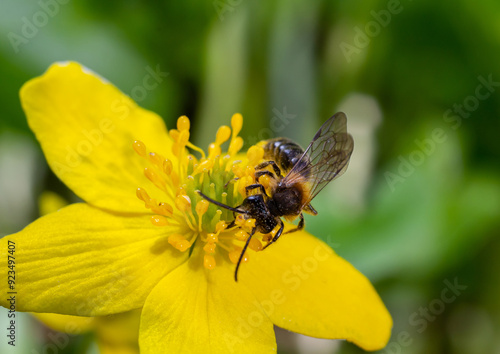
{"points": [[297, 177]]}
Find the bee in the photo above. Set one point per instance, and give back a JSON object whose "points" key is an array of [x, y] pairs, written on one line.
{"points": [[297, 177]]}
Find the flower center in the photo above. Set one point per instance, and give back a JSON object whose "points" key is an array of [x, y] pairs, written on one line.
{"points": [[221, 176]]}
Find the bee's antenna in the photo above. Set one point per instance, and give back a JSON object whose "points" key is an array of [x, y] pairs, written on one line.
{"points": [[222, 205], [243, 253]]}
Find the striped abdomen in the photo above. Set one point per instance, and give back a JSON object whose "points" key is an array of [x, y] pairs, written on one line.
{"points": [[284, 152]]}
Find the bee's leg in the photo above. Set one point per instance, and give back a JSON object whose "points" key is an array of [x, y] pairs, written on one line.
{"points": [[231, 180], [300, 226], [243, 253], [277, 236], [262, 173], [256, 185], [267, 163]]}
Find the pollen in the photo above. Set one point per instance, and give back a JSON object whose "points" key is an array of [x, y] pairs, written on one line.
{"points": [[177, 174]]}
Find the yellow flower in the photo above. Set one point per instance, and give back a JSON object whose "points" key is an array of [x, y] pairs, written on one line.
{"points": [[144, 238], [115, 334]]}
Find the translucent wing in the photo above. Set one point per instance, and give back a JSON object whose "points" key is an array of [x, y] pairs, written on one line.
{"points": [[326, 157]]}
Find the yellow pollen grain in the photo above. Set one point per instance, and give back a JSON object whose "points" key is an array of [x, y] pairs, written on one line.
{"points": [[223, 135], [183, 123], [139, 148], [209, 261], [159, 220]]}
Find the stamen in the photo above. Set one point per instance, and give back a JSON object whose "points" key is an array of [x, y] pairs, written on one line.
{"points": [[159, 220], [209, 247], [209, 261], [223, 135], [201, 208], [236, 123], [183, 203], [139, 148], [183, 123], [235, 146], [255, 244], [255, 154], [155, 178], [234, 255]]}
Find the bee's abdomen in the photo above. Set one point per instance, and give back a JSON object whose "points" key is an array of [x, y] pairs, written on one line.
{"points": [[284, 152]]}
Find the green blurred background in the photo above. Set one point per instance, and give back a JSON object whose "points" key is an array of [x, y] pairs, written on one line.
{"points": [[418, 209]]}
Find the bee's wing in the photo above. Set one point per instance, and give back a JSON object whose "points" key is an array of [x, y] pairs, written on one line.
{"points": [[326, 157]]}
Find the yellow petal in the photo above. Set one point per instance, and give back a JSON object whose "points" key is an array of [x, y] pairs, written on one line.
{"points": [[118, 334], [194, 310], [65, 323], [87, 262], [86, 128], [48, 202], [311, 290]]}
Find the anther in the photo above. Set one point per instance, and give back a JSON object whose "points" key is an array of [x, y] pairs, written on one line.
{"points": [[209, 247], [236, 123], [209, 261], [241, 235], [167, 167], [183, 123], [159, 220], [142, 194], [223, 135], [139, 148], [255, 154], [234, 256], [255, 244], [153, 177], [202, 207], [155, 158], [183, 203], [212, 238]]}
